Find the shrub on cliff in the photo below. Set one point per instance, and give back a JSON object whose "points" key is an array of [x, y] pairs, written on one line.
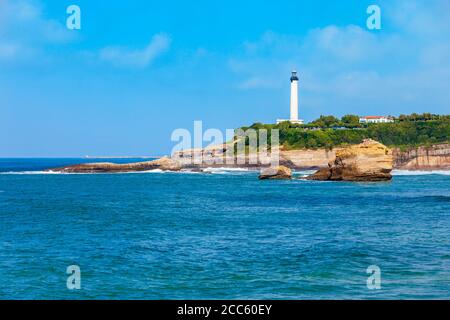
{"points": [[321, 134]]}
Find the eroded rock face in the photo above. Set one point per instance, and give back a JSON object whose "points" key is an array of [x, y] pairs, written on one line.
{"points": [[279, 172], [308, 158], [367, 161], [165, 164], [435, 157]]}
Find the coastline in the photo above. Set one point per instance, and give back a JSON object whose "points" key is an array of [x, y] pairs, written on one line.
{"points": [[424, 158]]}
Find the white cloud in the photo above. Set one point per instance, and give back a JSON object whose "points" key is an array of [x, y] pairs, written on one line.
{"points": [[24, 31], [421, 18], [350, 43], [120, 56], [402, 68]]}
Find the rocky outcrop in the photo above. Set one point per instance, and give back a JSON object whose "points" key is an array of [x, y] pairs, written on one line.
{"points": [[104, 167], [278, 173], [367, 161], [435, 157], [322, 174], [307, 158]]}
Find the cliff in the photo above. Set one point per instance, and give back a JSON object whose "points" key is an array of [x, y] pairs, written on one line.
{"points": [[436, 157], [307, 158], [219, 156]]}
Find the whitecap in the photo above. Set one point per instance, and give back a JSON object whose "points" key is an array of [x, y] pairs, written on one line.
{"points": [[186, 171], [419, 172], [145, 171], [227, 171], [71, 173], [33, 172], [222, 169], [304, 172]]}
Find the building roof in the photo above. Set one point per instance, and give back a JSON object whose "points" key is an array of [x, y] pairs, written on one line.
{"points": [[375, 117]]}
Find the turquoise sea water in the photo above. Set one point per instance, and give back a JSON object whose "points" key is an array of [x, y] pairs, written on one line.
{"points": [[223, 235]]}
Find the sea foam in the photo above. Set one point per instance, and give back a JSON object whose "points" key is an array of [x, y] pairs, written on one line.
{"points": [[419, 172], [224, 170], [33, 172]]}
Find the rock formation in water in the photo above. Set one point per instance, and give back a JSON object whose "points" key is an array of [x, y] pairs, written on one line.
{"points": [[323, 174], [102, 167], [367, 161], [279, 173]]}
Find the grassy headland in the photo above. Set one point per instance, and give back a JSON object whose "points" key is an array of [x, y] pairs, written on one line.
{"points": [[328, 131]]}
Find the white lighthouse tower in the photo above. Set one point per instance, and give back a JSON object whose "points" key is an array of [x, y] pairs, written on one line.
{"points": [[294, 101]]}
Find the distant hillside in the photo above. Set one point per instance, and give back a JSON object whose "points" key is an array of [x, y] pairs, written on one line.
{"points": [[327, 131]]}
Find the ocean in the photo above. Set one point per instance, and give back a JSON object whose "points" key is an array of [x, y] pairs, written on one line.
{"points": [[220, 235]]}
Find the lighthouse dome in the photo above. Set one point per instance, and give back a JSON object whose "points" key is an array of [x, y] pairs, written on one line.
{"points": [[294, 76]]}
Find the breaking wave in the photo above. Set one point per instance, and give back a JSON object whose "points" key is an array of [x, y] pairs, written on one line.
{"points": [[74, 173], [222, 170], [419, 173], [227, 171], [33, 172]]}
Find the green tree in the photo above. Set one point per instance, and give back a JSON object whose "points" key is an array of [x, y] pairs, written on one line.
{"points": [[426, 129], [326, 122], [350, 120]]}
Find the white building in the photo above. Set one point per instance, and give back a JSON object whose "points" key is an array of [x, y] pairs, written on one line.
{"points": [[294, 101], [375, 119]]}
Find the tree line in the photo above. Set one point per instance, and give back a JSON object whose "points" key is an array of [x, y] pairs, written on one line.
{"points": [[329, 131]]}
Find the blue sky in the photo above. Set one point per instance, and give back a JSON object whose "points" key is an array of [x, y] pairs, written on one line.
{"points": [[137, 70]]}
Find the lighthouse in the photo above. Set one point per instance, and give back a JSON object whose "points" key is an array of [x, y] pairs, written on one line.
{"points": [[294, 101], [294, 97]]}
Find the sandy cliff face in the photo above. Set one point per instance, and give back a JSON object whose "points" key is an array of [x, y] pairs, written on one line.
{"points": [[219, 156], [308, 158], [436, 157], [422, 158]]}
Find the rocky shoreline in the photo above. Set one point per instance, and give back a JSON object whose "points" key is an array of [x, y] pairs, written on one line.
{"points": [[165, 164], [435, 157]]}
